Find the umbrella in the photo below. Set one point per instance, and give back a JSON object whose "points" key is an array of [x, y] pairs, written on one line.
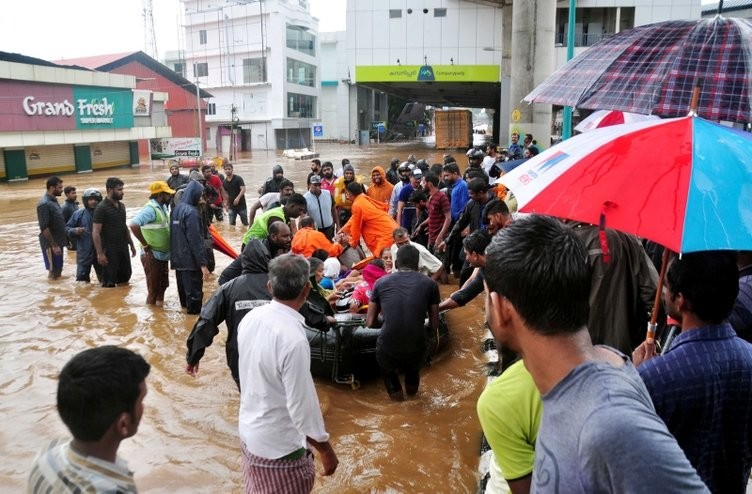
{"points": [[652, 70], [220, 244], [606, 118], [685, 183]]}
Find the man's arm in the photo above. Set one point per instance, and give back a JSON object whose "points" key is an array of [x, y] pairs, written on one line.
{"points": [[433, 317], [328, 457], [373, 314], [335, 216], [96, 236], [445, 226], [206, 328], [252, 213], [240, 195], [400, 207]]}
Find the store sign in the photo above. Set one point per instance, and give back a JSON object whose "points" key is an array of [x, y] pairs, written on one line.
{"points": [[176, 146], [420, 73], [32, 107], [141, 103]]}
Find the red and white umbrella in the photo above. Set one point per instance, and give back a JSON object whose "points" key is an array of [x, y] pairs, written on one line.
{"points": [[606, 118]]}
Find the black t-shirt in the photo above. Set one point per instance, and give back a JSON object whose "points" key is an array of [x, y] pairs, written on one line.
{"points": [[233, 189], [115, 232], [405, 298]]}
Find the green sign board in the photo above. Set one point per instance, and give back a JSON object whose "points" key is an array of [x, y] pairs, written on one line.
{"points": [[103, 108], [418, 73]]}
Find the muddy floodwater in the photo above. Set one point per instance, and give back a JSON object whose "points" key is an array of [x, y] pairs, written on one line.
{"points": [[188, 440]]}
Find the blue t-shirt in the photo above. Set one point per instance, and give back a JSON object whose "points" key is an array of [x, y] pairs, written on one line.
{"points": [[600, 433]]}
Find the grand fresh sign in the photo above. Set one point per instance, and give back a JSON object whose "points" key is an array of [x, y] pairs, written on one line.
{"points": [[91, 107]]}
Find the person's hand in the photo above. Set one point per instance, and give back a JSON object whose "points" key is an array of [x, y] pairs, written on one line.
{"points": [[329, 460], [57, 250], [644, 352], [101, 259], [333, 296], [192, 370], [236, 201], [80, 230], [205, 273], [133, 250], [441, 247]]}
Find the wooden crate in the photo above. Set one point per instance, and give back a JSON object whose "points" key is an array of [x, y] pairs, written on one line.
{"points": [[453, 129]]}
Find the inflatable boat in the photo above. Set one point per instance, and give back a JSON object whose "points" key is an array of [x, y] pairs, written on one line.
{"points": [[346, 353]]}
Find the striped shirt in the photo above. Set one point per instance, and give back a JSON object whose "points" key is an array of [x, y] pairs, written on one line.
{"points": [[58, 468]]}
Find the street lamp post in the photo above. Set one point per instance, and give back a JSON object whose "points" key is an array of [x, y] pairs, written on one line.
{"points": [[200, 126], [566, 128]]}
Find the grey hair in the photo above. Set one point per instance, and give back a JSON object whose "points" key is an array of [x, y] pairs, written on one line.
{"points": [[288, 275]]}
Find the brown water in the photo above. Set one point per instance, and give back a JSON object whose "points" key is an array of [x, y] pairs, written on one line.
{"points": [[188, 439]]}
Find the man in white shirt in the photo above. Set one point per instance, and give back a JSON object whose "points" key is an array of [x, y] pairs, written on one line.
{"points": [[428, 263], [279, 409]]}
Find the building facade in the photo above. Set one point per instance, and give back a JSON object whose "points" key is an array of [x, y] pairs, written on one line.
{"points": [[185, 106], [260, 60], [63, 120]]}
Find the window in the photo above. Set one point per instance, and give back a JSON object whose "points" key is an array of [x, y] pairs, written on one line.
{"points": [[202, 37], [254, 70], [395, 13], [301, 105], [301, 73], [200, 69], [298, 38], [179, 68], [439, 12], [211, 109]]}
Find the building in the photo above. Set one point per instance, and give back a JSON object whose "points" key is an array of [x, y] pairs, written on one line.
{"points": [[483, 53], [260, 61], [337, 89], [183, 97], [59, 119]]}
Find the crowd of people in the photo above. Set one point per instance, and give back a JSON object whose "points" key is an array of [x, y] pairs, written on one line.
{"points": [[566, 304]]}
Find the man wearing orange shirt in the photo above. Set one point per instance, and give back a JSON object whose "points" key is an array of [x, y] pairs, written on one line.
{"points": [[380, 189], [369, 219], [307, 240]]}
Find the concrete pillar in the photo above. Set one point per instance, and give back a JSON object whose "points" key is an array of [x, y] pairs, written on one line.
{"points": [[533, 27], [503, 114]]}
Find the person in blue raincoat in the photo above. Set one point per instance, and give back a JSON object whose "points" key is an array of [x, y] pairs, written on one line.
{"points": [[79, 227], [187, 251]]}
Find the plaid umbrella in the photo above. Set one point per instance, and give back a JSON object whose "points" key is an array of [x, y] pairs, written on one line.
{"points": [[653, 70]]}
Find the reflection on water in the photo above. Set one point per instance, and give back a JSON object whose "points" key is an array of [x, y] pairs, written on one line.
{"points": [[188, 438]]}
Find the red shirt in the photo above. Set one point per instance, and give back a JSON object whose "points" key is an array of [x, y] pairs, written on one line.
{"points": [[216, 183], [438, 206]]}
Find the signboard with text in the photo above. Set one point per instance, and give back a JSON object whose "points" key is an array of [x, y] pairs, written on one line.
{"points": [[176, 146], [28, 107], [318, 129], [426, 73]]}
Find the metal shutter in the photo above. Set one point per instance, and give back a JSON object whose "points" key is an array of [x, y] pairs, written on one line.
{"points": [[48, 160], [110, 154]]}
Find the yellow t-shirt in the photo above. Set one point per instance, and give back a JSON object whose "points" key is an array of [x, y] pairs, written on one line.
{"points": [[510, 410]]}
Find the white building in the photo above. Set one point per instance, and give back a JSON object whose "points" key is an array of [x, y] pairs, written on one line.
{"points": [[260, 61], [461, 41]]}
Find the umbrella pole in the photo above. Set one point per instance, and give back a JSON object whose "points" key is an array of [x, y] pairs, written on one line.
{"points": [[653, 324]]}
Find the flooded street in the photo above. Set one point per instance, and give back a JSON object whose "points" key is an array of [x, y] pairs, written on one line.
{"points": [[188, 440]]}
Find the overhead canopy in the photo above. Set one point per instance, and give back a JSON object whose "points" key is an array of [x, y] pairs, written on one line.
{"points": [[474, 86]]}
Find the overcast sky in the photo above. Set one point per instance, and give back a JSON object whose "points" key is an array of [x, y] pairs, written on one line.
{"points": [[57, 29]]}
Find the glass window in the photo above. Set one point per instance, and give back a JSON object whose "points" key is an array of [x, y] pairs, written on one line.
{"points": [[202, 37], [298, 38], [395, 13], [211, 109], [179, 68], [439, 12], [301, 105], [201, 69], [254, 70], [301, 73]]}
